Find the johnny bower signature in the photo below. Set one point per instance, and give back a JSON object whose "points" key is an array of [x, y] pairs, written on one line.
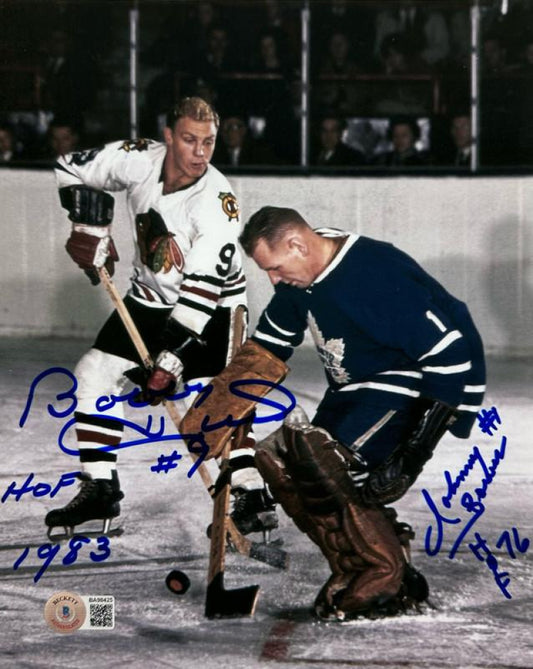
{"points": [[469, 506]]}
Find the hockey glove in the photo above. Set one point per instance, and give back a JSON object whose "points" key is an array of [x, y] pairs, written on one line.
{"points": [[160, 382], [91, 247], [391, 480]]}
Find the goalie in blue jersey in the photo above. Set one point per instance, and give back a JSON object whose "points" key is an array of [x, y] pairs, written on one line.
{"points": [[404, 364]]}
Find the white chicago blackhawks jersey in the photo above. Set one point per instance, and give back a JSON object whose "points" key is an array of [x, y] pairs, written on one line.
{"points": [[186, 250]]}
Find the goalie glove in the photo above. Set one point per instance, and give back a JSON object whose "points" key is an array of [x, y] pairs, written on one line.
{"points": [[391, 479], [91, 248]]}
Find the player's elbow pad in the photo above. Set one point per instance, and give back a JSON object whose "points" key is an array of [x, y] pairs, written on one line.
{"points": [[87, 205]]}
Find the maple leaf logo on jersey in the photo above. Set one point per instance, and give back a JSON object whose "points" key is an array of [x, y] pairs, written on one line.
{"points": [[135, 145], [331, 352], [229, 205]]}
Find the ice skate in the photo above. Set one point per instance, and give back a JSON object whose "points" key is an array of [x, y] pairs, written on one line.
{"points": [[97, 499], [254, 511]]}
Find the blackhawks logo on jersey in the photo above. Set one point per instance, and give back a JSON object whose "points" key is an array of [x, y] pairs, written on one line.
{"points": [[135, 145], [158, 249], [229, 205]]}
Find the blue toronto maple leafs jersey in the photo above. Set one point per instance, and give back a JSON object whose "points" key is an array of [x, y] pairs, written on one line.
{"points": [[383, 327]]}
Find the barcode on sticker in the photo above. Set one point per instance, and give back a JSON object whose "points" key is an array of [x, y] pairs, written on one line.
{"points": [[100, 612]]}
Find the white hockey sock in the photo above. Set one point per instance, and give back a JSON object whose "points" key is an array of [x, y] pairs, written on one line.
{"points": [[98, 470]]}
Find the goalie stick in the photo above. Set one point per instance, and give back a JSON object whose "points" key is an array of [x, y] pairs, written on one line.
{"points": [[219, 602], [263, 552]]}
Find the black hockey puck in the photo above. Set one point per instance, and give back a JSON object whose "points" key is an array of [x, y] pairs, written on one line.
{"points": [[177, 582]]}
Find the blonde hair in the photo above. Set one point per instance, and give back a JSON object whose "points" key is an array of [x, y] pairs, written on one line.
{"points": [[194, 108]]}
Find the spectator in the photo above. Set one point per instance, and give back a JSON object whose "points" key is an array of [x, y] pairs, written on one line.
{"points": [[396, 56], [425, 30], [10, 150], [453, 143], [494, 55], [218, 56], [460, 41], [237, 147], [270, 96], [340, 95], [332, 151], [272, 56], [500, 107], [204, 15], [280, 21], [63, 137], [218, 59], [461, 132], [70, 76], [403, 133], [400, 97], [345, 17]]}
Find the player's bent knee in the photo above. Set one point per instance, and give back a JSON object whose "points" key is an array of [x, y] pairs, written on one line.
{"points": [[100, 373]]}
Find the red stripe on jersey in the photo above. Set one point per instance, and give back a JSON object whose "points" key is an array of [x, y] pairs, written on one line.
{"points": [[146, 292], [98, 437], [201, 292]]}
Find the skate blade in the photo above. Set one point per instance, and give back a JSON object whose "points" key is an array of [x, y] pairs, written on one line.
{"points": [[71, 532], [276, 543], [268, 541]]}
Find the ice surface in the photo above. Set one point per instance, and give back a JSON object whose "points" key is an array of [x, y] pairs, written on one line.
{"points": [[165, 515]]}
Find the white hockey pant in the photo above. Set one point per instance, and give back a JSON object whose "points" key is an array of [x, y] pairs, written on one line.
{"points": [[100, 376]]}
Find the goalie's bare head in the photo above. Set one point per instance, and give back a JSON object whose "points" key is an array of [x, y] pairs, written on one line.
{"points": [[286, 247]]}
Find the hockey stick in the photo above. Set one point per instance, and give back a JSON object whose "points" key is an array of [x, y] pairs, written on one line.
{"points": [[219, 602], [263, 552]]}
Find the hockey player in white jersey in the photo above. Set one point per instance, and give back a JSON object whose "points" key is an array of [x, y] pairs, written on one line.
{"points": [[187, 277]]}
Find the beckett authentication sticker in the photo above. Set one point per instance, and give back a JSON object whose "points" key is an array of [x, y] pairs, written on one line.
{"points": [[65, 612]]}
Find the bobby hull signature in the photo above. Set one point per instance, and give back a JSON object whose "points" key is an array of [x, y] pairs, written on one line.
{"points": [[473, 503], [66, 403], [47, 553]]}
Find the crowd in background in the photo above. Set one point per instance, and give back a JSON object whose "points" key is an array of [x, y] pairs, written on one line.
{"points": [[390, 82]]}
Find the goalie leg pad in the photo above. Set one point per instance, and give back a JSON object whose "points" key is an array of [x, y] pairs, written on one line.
{"points": [[360, 544]]}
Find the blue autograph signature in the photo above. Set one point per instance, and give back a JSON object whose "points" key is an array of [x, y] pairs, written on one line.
{"points": [[38, 489], [196, 443], [473, 504], [47, 553]]}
